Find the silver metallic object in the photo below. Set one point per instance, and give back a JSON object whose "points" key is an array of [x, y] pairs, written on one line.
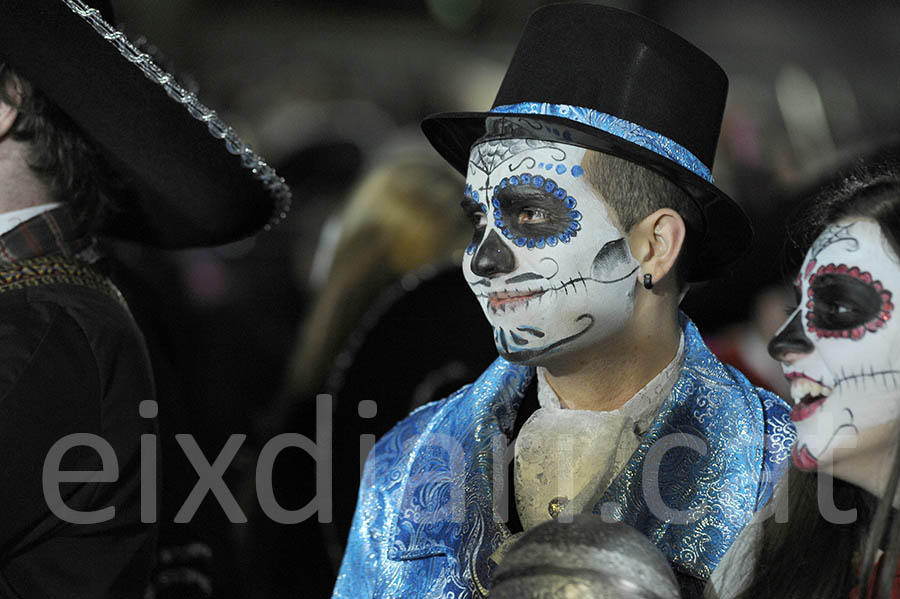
{"points": [[586, 558], [264, 173]]}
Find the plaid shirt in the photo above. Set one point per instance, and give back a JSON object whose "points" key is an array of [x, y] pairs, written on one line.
{"points": [[51, 233]]}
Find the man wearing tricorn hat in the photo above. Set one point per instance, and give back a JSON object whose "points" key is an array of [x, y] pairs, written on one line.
{"points": [[591, 196], [95, 139]]}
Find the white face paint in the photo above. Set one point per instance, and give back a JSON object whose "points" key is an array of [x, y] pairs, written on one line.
{"points": [[840, 349], [550, 269]]}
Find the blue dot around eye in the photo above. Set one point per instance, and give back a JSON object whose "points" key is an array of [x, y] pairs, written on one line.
{"points": [[506, 233], [538, 181], [574, 225], [526, 178], [540, 165], [574, 215], [577, 171], [564, 237], [560, 193], [530, 244], [504, 182], [470, 249], [570, 202], [521, 241], [550, 185], [513, 180], [548, 166], [560, 169], [496, 202], [498, 223], [483, 208], [475, 195], [498, 213], [539, 244], [496, 189], [552, 241]]}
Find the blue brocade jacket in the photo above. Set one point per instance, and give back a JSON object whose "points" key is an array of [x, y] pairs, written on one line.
{"points": [[428, 519]]}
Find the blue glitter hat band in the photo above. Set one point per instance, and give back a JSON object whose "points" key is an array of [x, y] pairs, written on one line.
{"points": [[619, 127]]}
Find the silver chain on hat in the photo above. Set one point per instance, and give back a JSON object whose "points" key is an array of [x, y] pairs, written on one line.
{"points": [[234, 144]]}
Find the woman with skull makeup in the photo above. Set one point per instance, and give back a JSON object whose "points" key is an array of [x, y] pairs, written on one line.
{"points": [[840, 351]]}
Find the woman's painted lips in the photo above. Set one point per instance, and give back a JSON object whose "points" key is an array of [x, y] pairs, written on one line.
{"points": [[808, 395], [804, 460]]}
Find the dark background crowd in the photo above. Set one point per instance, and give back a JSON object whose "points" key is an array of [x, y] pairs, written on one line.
{"points": [[357, 293]]}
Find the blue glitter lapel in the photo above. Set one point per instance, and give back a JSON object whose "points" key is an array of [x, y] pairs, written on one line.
{"points": [[448, 504], [713, 406]]}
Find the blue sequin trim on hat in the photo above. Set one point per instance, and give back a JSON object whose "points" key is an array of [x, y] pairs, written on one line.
{"points": [[627, 130]]}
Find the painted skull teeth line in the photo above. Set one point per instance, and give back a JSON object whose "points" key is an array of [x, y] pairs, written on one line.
{"points": [[890, 378], [805, 388], [528, 296], [502, 301]]}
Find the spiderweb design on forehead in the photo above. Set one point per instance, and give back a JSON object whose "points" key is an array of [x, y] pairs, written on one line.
{"points": [[834, 234], [486, 156]]}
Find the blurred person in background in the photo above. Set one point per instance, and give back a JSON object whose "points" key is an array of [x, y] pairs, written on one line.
{"points": [[394, 223], [592, 205], [400, 228], [90, 146]]}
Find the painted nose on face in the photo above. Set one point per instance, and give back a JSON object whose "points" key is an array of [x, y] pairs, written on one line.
{"points": [[791, 342], [493, 257]]}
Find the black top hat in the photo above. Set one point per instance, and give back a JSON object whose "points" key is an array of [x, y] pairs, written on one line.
{"points": [[197, 183], [614, 81]]}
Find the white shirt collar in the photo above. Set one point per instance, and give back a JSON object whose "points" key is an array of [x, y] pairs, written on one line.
{"points": [[11, 220]]}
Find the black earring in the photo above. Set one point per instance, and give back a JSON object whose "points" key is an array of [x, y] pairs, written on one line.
{"points": [[648, 281]]}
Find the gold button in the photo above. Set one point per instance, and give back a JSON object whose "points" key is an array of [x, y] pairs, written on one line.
{"points": [[557, 505]]}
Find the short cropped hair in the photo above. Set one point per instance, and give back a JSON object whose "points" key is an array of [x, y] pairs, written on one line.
{"points": [[634, 192], [58, 152]]}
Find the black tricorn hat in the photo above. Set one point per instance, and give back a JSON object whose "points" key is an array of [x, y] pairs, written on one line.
{"points": [[616, 82], [196, 182]]}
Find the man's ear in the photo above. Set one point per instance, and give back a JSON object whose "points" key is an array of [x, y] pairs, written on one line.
{"points": [[9, 113], [656, 242], [8, 116]]}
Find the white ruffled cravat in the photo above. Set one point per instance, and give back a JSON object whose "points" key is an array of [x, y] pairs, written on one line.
{"points": [[566, 459]]}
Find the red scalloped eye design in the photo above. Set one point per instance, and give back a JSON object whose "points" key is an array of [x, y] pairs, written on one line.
{"points": [[857, 332], [809, 268]]}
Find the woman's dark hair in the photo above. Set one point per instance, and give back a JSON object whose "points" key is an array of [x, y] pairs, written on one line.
{"points": [[870, 189], [63, 158], [809, 556], [834, 554]]}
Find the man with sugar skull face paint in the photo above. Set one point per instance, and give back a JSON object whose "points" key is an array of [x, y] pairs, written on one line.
{"points": [[589, 189], [550, 268]]}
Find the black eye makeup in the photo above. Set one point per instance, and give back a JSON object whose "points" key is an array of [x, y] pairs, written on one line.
{"points": [[845, 302], [534, 212], [476, 212]]}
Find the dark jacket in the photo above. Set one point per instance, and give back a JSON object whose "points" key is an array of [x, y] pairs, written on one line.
{"points": [[72, 362]]}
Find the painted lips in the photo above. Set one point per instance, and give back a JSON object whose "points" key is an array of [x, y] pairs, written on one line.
{"points": [[804, 460], [808, 395], [501, 301], [802, 411]]}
